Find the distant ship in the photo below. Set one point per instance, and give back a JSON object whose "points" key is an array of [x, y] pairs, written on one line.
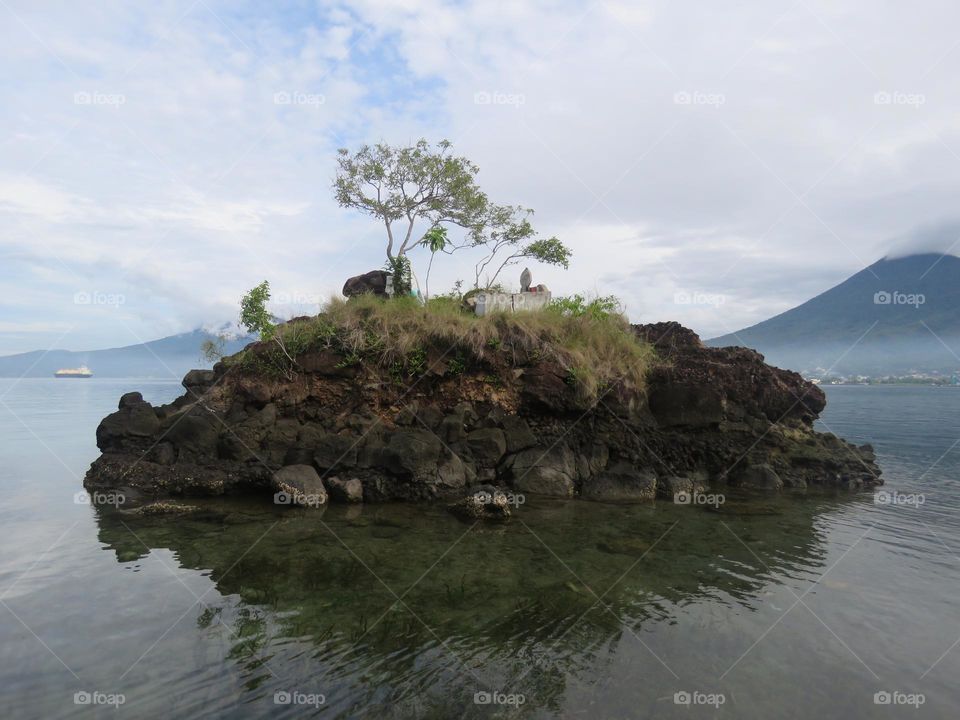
{"points": [[81, 372]]}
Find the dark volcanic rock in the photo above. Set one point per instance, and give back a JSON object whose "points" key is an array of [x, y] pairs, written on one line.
{"points": [[543, 471], [299, 485], [707, 416], [374, 282], [486, 446], [621, 483], [346, 491]]}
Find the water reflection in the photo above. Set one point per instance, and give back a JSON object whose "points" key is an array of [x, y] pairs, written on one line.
{"points": [[402, 610]]}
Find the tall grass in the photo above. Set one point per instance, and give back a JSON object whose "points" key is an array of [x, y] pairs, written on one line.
{"points": [[596, 349]]}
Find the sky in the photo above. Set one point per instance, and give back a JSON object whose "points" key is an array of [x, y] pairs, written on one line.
{"points": [[711, 163]]}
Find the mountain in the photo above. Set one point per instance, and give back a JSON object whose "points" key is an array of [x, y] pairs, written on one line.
{"points": [[168, 357], [898, 316]]}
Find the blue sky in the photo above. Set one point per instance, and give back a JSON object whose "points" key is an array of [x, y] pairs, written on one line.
{"points": [[713, 165]]}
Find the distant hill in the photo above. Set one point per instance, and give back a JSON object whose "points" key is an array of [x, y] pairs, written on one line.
{"points": [[907, 311], [168, 357]]}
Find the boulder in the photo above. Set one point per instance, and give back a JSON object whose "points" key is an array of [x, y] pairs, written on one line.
{"points": [[760, 476], [199, 379], [135, 421], [412, 453], [621, 482], [452, 473], [346, 491], [692, 484], [518, 434], [542, 471], [486, 446], [129, 400], [299, 485], [331, 452], [373, 282], [194, 431], [490, 506]]}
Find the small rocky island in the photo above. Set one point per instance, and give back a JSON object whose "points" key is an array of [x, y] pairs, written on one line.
{"points": [[377, 401]]}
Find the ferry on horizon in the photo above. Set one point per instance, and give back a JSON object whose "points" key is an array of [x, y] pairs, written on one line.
{"points": [[81, 372]]}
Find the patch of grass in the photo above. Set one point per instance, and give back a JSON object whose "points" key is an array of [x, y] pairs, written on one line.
{"points": [[594, 344]]}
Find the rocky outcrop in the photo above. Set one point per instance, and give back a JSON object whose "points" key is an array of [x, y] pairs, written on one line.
{"points": [[334, 430], [373, 282]]}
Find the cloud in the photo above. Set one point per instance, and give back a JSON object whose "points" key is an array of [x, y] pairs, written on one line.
{"points": [[180, 153]]}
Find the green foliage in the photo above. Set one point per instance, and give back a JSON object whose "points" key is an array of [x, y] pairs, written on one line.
{"points": [[255, 317], [399, 267], [549, 251], [401, 186], [407, 184], [508, 238], [253, 311], [435, 239], [458, 365], [599, 308]]}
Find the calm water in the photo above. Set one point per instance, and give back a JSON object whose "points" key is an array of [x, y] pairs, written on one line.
{"points": [[792, 606]]}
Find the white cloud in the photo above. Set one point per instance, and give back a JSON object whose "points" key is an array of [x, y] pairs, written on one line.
{"points": [[198, 185]]}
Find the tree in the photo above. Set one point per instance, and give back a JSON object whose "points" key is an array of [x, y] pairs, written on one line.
{"points": [[255, 317], [510, 238], [436, 240], [404, 186]]}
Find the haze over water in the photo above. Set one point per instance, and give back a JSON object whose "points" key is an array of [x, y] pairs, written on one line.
{"points": [[791, 606]]}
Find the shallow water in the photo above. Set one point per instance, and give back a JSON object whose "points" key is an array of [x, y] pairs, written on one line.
{"points": [[780, 606]]}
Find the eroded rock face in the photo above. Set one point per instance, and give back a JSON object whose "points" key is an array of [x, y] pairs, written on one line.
{"points": [[708, 416]]}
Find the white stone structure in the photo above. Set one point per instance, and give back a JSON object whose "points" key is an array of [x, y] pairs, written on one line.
{"points": [[488, 302]]}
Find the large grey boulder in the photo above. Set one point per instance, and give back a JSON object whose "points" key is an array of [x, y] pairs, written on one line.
{"points": [[518, 434], [621, 482], [135, 420], [486, 446], [412, 453], [542, 471], [196, 431], [330, 452], [299, 485], [373, 282]]}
